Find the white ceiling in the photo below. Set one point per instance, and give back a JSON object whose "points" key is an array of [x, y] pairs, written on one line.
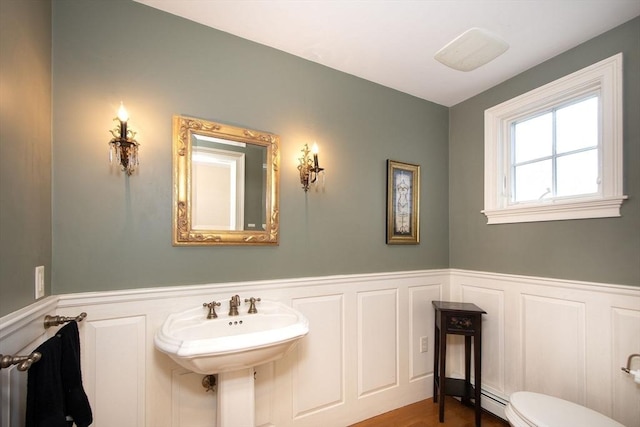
{"points": [[392, 42]]}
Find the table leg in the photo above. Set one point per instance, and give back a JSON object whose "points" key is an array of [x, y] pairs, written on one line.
{"points": [[442, 374], [436, 353], [466, 399], [477, 362]]}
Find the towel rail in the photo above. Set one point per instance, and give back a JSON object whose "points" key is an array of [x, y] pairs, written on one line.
{"points": [[59, 320], [23, 362]]}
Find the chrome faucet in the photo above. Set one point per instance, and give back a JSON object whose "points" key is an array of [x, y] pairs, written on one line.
{"points": [[234, 302]]}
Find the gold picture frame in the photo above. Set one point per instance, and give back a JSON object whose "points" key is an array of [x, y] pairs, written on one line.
{"points": [[403, 203]]}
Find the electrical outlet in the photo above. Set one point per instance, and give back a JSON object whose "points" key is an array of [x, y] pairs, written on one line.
{"points": [[424, 344], [39, 282]]}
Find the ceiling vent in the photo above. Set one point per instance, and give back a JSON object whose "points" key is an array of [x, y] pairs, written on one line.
{"points": [[471, 49]]}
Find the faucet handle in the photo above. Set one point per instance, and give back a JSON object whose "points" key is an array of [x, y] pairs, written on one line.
{"points": [[252, 306], [212, 309]]}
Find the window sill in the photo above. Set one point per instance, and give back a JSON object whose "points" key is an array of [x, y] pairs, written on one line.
{"points": [[556, 211]]}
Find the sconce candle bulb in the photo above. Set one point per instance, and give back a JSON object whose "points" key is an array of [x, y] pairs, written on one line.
{"points": [[314, 150], [123, 145], [308, 167], [123, 116]]}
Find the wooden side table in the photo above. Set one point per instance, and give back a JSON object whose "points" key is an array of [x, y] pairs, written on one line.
{"points": [[457, 318]]}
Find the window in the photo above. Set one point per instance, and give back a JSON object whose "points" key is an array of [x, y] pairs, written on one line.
{"points": [[555, 153]]}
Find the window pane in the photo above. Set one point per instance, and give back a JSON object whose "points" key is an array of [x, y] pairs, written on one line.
{"points": [[533, 181], [578, 173], [577, 126], [533, 138]]}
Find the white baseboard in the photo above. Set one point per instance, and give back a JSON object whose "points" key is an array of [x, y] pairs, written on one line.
{"points": [[494, 404]]}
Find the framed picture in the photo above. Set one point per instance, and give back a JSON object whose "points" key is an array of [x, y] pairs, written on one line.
{"points": [[403, 203]]}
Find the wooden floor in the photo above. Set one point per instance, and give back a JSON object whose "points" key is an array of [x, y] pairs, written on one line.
{"points": [[425, 414]]}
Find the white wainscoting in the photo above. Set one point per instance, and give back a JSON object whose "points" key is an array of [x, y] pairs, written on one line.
{"points": [[563, 338], [362, 356]]}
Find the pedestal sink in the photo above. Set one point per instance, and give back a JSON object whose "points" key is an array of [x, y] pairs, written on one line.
{"points": [[231, 346]]}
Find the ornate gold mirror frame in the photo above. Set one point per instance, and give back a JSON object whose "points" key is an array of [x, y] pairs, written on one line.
{"points": [[186, 130]]}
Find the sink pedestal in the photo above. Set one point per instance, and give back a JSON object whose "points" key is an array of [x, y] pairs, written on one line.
{"points": [[236, 398]]}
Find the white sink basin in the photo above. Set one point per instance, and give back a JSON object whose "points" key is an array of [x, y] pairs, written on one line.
{"points": [[228, 343]]}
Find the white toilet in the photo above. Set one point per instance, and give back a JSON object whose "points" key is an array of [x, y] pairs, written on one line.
{"points": [[527, 409]]}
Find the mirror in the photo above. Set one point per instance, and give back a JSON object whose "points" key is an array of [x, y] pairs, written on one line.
{"points": [[225, 184]]}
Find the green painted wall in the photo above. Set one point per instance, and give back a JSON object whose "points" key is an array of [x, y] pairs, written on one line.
{"points": [[25, 149], [113, 232], [600, 250]]}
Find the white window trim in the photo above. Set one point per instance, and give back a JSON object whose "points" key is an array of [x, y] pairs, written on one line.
{"points": [[605, 76]]}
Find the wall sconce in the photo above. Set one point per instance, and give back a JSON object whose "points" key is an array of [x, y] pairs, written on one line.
{"points": [[308, 167], [123, 148]]}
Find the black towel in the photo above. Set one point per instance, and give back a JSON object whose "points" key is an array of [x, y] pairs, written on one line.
{"points": [[54, 385], [45, 404], [75, 399]]}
